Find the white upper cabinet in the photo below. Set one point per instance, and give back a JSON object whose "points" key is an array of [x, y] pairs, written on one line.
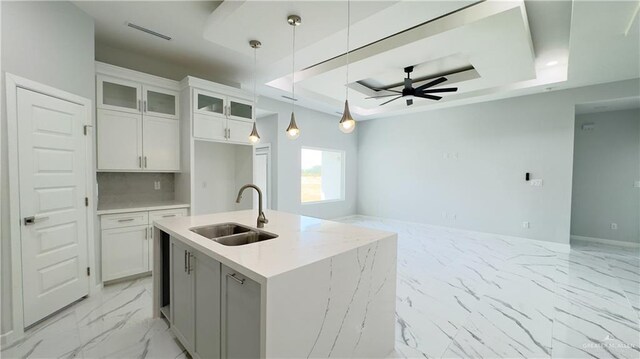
{"points": [[209, 103], [161, 146], [119, 94], [138, 126], [159, 102], [221, 118], [240, 109], [119, 140]]}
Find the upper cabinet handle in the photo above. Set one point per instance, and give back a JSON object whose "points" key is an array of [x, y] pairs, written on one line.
{"points": [[145, 105], [145, 161], [139, 105]]}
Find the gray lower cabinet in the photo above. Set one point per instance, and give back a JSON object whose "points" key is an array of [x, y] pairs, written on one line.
{"points": [[215, 311], [207, 306], [182, 298], [240, 315]]}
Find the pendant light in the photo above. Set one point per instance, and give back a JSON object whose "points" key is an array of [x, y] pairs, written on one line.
{"points": [[293, 131], [254, 137], [347, 123]]}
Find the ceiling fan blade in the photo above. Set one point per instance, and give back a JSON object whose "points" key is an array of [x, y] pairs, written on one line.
{"points": [[387, 90], [407, 83], [409, 102], [381, 96], [430, 97], [393, 99], [431, 83], [448, 89]]}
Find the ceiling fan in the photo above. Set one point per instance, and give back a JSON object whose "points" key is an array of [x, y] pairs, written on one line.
{"points": [[421, 91]]}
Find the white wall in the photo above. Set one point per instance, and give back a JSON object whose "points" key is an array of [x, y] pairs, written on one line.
{"points": [[317, 130], [408, 170], [220, 169], [606, 163], [268, 129], [51, 43]]}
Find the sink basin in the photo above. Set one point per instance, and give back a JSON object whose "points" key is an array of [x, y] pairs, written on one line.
{"points": [[232, 234]]}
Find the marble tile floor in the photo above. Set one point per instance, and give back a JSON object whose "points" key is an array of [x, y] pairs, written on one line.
{"points": [[460, 295]]}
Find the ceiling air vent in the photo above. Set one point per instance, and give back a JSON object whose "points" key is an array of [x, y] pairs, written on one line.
{"points": [[150, 32]]}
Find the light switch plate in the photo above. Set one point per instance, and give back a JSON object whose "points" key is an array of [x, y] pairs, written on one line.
{"points": [[525, 225]]}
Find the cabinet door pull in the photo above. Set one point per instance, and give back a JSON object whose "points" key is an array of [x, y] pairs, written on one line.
{"points": [[145, 161], [140, 161], [146, 233], [233, 276], [168, 215], [139, 105], [125, 220], [145, 105], [185, 261], [189, 268], [151, 232]]}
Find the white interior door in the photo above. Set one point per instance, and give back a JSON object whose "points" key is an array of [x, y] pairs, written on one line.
{"points": [[52, 167], [262, 176]]}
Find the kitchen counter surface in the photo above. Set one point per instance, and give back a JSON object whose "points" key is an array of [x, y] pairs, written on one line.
{"points": [[113, 208], [301, 241]]}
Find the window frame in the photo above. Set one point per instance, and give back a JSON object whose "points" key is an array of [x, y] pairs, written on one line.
{"points": [[343, 177]]}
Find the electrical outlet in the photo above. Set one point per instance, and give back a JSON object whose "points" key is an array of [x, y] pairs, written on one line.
{"points": [[536, 182], [156, 185], [613, 226], [204, 184], [525, 225]]}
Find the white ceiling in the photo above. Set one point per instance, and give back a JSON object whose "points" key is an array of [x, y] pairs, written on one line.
{"points": [[515, 47]]}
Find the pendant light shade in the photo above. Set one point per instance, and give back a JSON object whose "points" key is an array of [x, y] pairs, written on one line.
{"points": [[254, 137], [293, 131], [347, 123]]}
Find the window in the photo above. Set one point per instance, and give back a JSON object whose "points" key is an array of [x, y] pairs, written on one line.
{"points": [[322, 175]]}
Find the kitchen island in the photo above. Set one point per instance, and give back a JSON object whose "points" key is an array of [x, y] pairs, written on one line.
{"points": [[318, 289]]}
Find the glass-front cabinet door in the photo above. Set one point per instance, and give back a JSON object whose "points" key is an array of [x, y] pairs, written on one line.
{"points": [[209, 103], [118, 94], [240, 109], [160, 102]]}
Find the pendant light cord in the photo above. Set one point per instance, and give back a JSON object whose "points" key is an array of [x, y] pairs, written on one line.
{"points": [[348, 35], [255, 72], [293, 72]]}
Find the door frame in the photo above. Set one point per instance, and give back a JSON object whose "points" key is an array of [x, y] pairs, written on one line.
{"points": [[266, 147], [13, 83]]}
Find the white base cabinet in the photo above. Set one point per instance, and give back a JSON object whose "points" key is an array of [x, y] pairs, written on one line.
{"points": [[215, 311], [127, 242]]}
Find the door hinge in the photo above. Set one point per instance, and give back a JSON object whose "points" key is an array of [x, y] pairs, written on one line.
{"points": [[86, 129], [86, 201], [88, 271]]}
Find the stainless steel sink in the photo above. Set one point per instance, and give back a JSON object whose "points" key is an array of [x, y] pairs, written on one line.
{"points": [[232, 234]]}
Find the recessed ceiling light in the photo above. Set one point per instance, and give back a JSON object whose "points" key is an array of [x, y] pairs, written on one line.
{"points": [[552, 63]]}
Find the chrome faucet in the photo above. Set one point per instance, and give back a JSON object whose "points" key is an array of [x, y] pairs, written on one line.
{"points": [[261, 218]]}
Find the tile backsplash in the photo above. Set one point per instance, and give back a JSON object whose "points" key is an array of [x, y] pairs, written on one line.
{"points": [[124, 188]]}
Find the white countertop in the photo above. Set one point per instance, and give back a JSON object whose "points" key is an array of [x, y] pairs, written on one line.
{"points": [[113, 208], [301, 241]]}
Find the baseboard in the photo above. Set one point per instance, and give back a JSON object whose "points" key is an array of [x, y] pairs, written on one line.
{"points": [[612, 242], [553, 245], [8, 338]]}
